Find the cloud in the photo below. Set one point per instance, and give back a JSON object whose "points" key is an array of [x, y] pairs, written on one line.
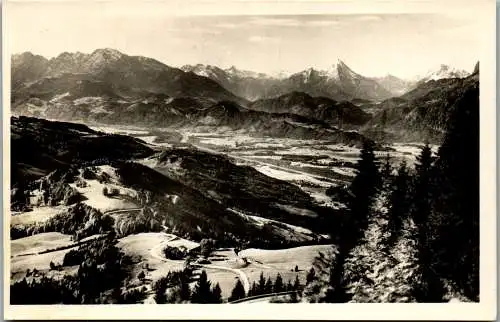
{"points": [[262, 39]]}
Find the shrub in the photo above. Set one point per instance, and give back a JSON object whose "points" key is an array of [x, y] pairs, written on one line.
{"points": [[175, 253]]}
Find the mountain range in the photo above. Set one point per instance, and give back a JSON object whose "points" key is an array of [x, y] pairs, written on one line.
{"points": [[107, 86], [339, 82], [110, 72]]}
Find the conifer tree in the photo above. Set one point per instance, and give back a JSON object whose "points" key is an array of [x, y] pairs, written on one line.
{"points": [[363, 190], [278, 284], [269, 286], [386, 170], [238, 292], [185, 290], [289, 286], [202, 292], [430, 290], [261, 288], [422, 189], [310, 275], [398, 203], [253, 290], [296, 284], [216, 294]]}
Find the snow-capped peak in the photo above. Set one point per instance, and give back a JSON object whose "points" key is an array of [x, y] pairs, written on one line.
{"points": [[443, 71], [233, 71]]}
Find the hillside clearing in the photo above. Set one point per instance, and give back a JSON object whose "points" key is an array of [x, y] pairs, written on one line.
{"points": [[37, 215], [39, 243]]}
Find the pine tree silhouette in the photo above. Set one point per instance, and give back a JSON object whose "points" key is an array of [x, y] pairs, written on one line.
{"points": [[289, 286], [398, 203], [269, 286], [253, 290], [216, 294], [238, 292], [202, 292], [261, 288], [278, 284], [296, 284], [386, 171], [363, 190], [430, 290], [185, 290], [310, 275]]}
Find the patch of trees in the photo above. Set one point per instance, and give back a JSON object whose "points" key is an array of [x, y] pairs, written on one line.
{"points": [[80, 221], [174, 288], [56, 189], [147, 220], [207, 246], [101, 251], [175, 253], [110, 191], [268, 286], [134, 296], [19, 198], [101, 269]]}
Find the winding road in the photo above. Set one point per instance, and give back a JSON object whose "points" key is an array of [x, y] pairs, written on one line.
{"points": [[118, 211], [156, 252]]}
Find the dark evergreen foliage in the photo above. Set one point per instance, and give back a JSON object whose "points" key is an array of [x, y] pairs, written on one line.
{"points": [[202, 291], [278, 284], [454, 220], [238, 292], [399, 202]]}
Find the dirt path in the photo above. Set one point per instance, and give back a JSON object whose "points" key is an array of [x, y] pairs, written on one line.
{"points": [[111, 212], [243, 277]]}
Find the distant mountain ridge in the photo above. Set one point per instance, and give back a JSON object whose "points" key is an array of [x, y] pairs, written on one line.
{"points": [[122, 74], [320, 108], [423, 112], [339, 82], [110, 87], [444, 71]]}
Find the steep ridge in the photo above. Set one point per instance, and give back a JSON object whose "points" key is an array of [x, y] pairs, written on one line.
{"points": [[320, 108], [39, 146], [421, 114]]}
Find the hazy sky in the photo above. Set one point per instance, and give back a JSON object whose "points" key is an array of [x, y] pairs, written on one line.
{"points": [[372, 44]]}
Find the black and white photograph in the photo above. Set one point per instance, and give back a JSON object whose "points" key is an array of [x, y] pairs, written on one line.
{"points": [[162, 155]]}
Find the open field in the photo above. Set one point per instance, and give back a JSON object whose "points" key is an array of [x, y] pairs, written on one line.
{"points": [[19, 264], [37, 215], [39, 243], [94, 196]]}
